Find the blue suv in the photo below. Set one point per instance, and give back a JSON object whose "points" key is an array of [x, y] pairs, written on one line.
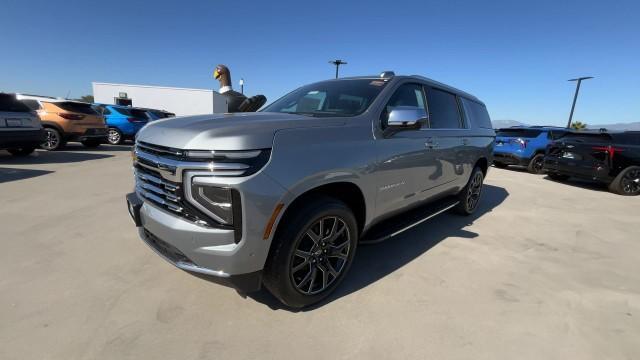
{"points": [[525, 146], [123, 122]]}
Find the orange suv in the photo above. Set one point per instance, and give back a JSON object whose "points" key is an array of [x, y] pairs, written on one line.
{"points": [[66, 120]]}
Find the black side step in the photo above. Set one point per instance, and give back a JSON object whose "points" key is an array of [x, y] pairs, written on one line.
{"points": [[401, 223]]}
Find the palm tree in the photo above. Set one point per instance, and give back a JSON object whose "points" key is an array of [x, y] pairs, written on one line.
{"points": [[577, 125]]}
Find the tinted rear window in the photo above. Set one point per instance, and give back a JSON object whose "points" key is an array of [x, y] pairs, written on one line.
{"points": [[140, 114], [631, 138], [477, 114], [76, 107], [9, 103], [32, 104], [520, 133], [587, 137]]}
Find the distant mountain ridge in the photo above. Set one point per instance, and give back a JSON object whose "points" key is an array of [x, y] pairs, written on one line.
{"points": [[497, 124], [634, 126]]}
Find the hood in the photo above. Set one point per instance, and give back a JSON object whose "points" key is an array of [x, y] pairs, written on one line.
{"points": [[237, 131]]}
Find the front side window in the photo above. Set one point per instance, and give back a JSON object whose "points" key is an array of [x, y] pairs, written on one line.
{"points": [[330, 98], [406, 95], [443, 110]]}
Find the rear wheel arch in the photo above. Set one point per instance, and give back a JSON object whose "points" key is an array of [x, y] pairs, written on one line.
{"points": [[52, 125]]}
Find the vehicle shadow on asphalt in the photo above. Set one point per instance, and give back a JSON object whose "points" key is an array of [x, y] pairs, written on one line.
{"points": [[580, 183], [53, 157], [13, 174], [374, 262]]}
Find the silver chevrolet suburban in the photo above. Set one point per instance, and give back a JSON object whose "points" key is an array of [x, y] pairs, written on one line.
{"points": [[283, 197]]}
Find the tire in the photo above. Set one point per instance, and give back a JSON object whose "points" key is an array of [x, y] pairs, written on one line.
{"points": [[53, 140], [114, 136], [22, 151], [469, 196], [91, 143], [627, 182], [536, 165], [557, 177], [500, 165], [302, 269]]}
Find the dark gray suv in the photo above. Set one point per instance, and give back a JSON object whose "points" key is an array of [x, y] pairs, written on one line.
{"points": [[283, 197]]}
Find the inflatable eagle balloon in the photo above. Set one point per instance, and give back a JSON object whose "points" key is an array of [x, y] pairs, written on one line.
{"points": [[236, 102]]}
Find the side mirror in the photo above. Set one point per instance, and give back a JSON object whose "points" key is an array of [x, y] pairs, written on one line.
{"points": [[406, 117]]}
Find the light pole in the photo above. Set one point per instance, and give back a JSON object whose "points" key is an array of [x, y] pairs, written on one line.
{"points": [[241, 86], [337, 63], [575, 97]]}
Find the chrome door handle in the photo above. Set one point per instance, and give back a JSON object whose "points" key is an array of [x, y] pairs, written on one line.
{"points": [[431, 144]]}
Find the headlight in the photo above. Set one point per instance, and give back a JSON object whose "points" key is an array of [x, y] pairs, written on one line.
{"points": [[217, 202]]}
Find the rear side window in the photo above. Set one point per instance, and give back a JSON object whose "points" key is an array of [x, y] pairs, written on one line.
{"points": [[520, 133], [443, 110], [76, 107], [10, 104], [477, 114]]}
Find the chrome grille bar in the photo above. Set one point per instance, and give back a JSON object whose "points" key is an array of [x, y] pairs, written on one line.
{"points": [[171, 169]]}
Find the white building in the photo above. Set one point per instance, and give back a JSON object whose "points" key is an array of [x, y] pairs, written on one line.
{"points": [[180, 101]]}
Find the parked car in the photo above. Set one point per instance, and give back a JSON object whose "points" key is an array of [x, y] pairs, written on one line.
{"points": [[524, 146], [282, 197], [66, 120], [611, 158], [20, 128], [124, 122]]}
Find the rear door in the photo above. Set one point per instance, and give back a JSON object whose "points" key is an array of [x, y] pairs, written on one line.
{"points": [[445, 135]]}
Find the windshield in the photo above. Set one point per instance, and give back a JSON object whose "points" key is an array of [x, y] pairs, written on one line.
{"points": [[330, 98]]}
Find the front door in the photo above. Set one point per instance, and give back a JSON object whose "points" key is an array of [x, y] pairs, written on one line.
{"points": [[405, 159]]}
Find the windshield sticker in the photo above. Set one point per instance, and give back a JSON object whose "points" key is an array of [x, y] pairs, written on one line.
{"points": [[313, 92], [377, 83]]}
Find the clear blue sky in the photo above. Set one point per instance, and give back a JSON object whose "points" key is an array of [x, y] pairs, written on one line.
{"points": [[514, 55]]}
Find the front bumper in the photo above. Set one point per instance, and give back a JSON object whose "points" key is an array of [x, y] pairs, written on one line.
{"points": [[214, 253], [21, 138], [89, 134]]}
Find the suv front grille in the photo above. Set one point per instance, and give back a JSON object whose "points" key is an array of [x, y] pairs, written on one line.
{"points": [[169, 196]]}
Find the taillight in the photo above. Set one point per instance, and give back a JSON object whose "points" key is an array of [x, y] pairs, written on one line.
{"points": [[71, 116], [521, 142], [610, 150]]}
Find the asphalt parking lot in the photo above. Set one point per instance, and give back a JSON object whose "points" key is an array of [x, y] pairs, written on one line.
{"points": [[545, 270]]}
